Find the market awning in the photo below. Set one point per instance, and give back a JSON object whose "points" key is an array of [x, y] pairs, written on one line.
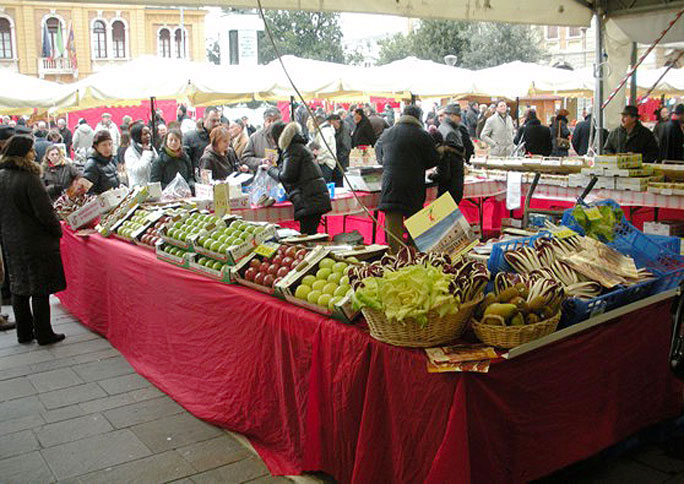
{"points": [[22, 94]]}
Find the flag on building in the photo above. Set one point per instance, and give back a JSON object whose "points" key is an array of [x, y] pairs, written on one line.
{"points": [[47, 45], [71, 48], [59, 42]]}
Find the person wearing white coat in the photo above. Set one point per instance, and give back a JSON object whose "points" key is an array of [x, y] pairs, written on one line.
{"points": [[326, 157], [499, 132], [107, 124], [139, 156]]}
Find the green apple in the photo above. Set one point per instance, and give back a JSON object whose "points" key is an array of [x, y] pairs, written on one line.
{"points": [[217, 266], [339, 267], [335, 278], [313, 296], [329, 288], [223, 248], [352, 260], [309, 280], [323, 273], [344, 280], [324, 300], [341, 291], [302, 291], [326, 263], [215, 246], [318, 285], [333, 300]]}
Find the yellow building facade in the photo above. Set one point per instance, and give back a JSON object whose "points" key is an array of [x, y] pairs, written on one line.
{"points": [[103, 35]]}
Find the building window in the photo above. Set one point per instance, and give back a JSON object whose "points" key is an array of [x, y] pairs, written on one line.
{"points": [[5, 39], [52, 28], [119, 39], [552, 32], [179, 43], [164, 43], [99, 39], [574, 32], [234, 50]]}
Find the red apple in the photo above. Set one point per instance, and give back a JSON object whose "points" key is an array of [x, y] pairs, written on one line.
{"points": [[269, 279], [272, 269], [300, 254], [287, 261], [255, 263], [277, 260], [291, 251], [278, 279], [282, 272], [259, 278], [263, 267], [250, 273], [282, 249]]}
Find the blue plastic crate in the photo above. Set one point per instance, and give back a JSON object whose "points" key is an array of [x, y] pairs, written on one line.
{"points": [[497, 263], [669, 242]]}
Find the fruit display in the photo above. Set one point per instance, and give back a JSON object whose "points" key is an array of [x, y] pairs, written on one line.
{"points": [[134, 198], [263, 273], [233, 242], [131, 227], [152, 235], [175, 255], [181, 232], [206, 266], [520, 299], [65, 205], [326, 285], [414, 285]]}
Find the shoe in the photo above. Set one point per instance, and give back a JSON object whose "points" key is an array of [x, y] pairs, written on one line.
{"points": [[55, 338], [5, 324], [25, 341]]}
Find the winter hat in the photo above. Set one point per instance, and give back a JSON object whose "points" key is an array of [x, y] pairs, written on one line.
{"points": [[100, 136], [136, 132], [82, 121], [453, 108], [6, 132], [679, 110]]}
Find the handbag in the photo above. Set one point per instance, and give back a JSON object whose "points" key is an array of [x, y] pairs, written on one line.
{"points": [[561, 143]]}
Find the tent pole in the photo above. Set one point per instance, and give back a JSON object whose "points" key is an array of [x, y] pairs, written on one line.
{"points": [[598, 88], [633, 85], [517, 112], [292, 108], [152, 120]]}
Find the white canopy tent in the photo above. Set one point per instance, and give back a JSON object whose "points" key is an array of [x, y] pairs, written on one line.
{"points": [[22, 94]]}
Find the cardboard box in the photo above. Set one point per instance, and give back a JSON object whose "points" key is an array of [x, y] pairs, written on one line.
{"points": [[134, 198], [173, 259], [581, 181], [665, 227], [342, 311], [243, 265], [619, 161], [111, 198], [237, 252], [223, 275], [633, 184], [84, 215]]}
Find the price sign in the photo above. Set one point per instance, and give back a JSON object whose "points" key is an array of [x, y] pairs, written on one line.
{"points": [[563, 233], [221, 201], [593, 213], [267, 249]]}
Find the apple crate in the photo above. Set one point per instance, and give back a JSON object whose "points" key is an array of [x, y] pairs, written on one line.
{"points": [[269, 257], [128, 204], [147, 221], [236, 252], [183, 244], [342, 310], [222, 275], [181, 260]]}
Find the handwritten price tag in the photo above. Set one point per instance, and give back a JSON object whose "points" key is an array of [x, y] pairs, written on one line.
{"points": [[267, 249], [593, 213], [563, 233]]}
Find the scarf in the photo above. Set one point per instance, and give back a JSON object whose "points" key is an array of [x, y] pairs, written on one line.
{"points": [[173, 154]]}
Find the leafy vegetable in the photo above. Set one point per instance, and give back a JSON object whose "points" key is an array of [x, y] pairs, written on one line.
{"points": [[410, 292], [603, 229]]}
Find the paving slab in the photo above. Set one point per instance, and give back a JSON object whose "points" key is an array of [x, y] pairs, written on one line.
{"points": [[174, 431], [144, 411], [123, 383], [17, 443], [20, 407], [62, 413], [94, 453], [16, 388], [214, 453], [102, 369], [60, 351], [71, 430], [238, 472], [21, 423], [70, 396], [55, 380], [165, 467], [23, 359], [27, 468]]}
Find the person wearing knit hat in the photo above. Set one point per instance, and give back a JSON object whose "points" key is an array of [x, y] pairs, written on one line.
{"points": [[100, 169]]}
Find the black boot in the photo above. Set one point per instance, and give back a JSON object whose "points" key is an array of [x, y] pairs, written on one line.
{"points": [[41, 321], [24, 318]]}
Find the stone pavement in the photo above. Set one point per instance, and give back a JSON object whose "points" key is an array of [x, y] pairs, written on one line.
{"points": [[77, 412]]}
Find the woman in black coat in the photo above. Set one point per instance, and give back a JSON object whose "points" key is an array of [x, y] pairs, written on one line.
{"points": [[171, 161], [58, 172], [537, 137], [30, 233], [363, 134], [560, 131], [300, 175], [219, 157]]}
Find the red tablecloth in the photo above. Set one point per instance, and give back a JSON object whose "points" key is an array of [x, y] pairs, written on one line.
{"points": [[314, 394]]}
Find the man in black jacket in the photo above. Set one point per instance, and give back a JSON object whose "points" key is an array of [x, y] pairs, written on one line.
{"points": [[196, 141], [342, 144], [671, 136], [408, 150], [363, 134], [537, 137], [450, 172], [66, 135], [632, 137], [472, 116]]}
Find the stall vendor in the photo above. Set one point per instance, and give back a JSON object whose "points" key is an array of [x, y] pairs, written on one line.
{"points": [[632, 137]]}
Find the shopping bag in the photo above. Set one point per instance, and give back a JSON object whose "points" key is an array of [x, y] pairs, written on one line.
{"points": [[262, 187], [176, 190]]}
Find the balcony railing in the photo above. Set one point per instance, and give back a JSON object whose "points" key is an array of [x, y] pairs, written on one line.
{"points": [[55, 66]]}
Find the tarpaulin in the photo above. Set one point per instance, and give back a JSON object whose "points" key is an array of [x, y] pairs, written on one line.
{"points": [[314, 394]]}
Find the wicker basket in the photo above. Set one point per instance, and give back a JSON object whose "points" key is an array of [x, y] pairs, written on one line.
{"points": [[512, 336], [414, 335]]}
